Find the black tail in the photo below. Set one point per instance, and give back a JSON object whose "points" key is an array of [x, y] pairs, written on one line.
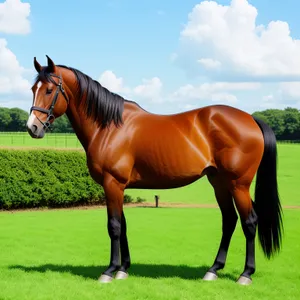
{"points": [[267, 203]]}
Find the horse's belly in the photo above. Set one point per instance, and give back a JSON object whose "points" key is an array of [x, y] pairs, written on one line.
{"points": [[168, 172], [162, 183]]}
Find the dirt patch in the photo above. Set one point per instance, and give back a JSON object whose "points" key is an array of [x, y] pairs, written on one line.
{"points": [[291, 206], [132, 205], [40, 148]]}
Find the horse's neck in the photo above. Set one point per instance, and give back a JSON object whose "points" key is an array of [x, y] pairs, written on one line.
{"points": [[83, 127]]}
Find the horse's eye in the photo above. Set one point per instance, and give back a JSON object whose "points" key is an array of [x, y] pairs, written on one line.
{"points": [[49, 91]]}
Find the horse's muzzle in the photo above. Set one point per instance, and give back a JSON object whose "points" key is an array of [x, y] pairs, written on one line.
{"points": [[35, 129]]}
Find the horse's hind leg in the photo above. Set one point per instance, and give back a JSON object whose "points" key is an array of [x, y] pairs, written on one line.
{"points": [[229, 220], [248, 217]]}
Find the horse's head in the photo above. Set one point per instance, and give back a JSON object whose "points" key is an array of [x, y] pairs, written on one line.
{"points": [[49, 99]]}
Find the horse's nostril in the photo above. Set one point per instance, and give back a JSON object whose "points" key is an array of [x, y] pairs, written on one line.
{"points": [[34, 128]]}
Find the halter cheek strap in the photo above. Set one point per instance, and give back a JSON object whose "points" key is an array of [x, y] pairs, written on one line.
{"points": [[49, 112]]}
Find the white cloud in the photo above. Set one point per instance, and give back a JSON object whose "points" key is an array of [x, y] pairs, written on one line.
{"points": [[224, 98], [283, 95], [249, 96], [13, 83], [112, 82], [187, 106], [149, 90], [209, 63], [11, 73], [246, 64], [14, 17], [16, 103], [268, 101], [216, 92], [290, 89], [268, 98], [186, 97], [228, 38]]}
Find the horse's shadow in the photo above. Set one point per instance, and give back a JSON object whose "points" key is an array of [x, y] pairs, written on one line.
{"points": [[139, 270]]}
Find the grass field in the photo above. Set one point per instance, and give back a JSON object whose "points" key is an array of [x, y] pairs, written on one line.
{"points": [[53, 140], [60, 254]]}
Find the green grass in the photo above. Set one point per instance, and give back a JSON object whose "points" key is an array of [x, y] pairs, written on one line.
{"points": [[201, 192], [53, 140], [60, 254]]}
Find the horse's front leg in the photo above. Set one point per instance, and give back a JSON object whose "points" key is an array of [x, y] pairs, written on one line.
{"points": [[125, 255], [114, 192]]}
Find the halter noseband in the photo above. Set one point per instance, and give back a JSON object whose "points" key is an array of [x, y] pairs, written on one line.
{"points": [[49, 112]]}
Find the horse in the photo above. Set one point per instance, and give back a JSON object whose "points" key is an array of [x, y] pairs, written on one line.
{"points": [[128, 147]]}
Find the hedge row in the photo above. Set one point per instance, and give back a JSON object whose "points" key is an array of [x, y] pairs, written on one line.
{"points": [[47, 178]]}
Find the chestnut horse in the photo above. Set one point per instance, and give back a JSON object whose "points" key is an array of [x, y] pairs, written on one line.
{"points": [[128, 147]]}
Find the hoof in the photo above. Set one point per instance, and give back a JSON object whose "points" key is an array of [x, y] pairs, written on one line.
{"points": [[121, 275], [105, 279], [210, 276], [244, 280]]}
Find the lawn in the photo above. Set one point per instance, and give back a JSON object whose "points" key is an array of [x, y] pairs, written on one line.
{"points": [[53, 140], [60, 254]]}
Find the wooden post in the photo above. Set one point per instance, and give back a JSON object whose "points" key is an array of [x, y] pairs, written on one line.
{"points": [[156, 200]]}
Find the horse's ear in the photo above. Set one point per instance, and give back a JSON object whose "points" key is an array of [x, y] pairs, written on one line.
{"points": [[37, 66], [51, 65]]}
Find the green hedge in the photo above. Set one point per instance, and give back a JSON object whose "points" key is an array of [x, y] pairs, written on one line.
{"points": [[47, 178]]}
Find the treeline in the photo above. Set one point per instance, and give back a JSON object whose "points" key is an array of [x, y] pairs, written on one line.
{"points": [[285, 123], [15, 119]]}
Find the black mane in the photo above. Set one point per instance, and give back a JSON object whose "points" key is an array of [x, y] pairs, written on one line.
{"points": [[103, 106]]}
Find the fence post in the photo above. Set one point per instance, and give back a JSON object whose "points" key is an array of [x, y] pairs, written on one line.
{"points": [[156, 200]]}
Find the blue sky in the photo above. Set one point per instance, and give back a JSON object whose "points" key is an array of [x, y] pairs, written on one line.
{"points": [[168, 56]]}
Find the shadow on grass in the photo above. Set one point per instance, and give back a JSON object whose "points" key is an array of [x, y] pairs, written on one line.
{"points": [[139, 270]]}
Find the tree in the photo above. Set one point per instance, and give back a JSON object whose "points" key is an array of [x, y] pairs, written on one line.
{"points": [[19, 119], [260, 115], [285, 123], [276, 120], [62, 125], [292, 123], [5, 118], [15, 119]]}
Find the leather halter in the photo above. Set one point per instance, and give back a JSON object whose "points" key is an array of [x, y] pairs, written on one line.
{"points": [[49, 112]]}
